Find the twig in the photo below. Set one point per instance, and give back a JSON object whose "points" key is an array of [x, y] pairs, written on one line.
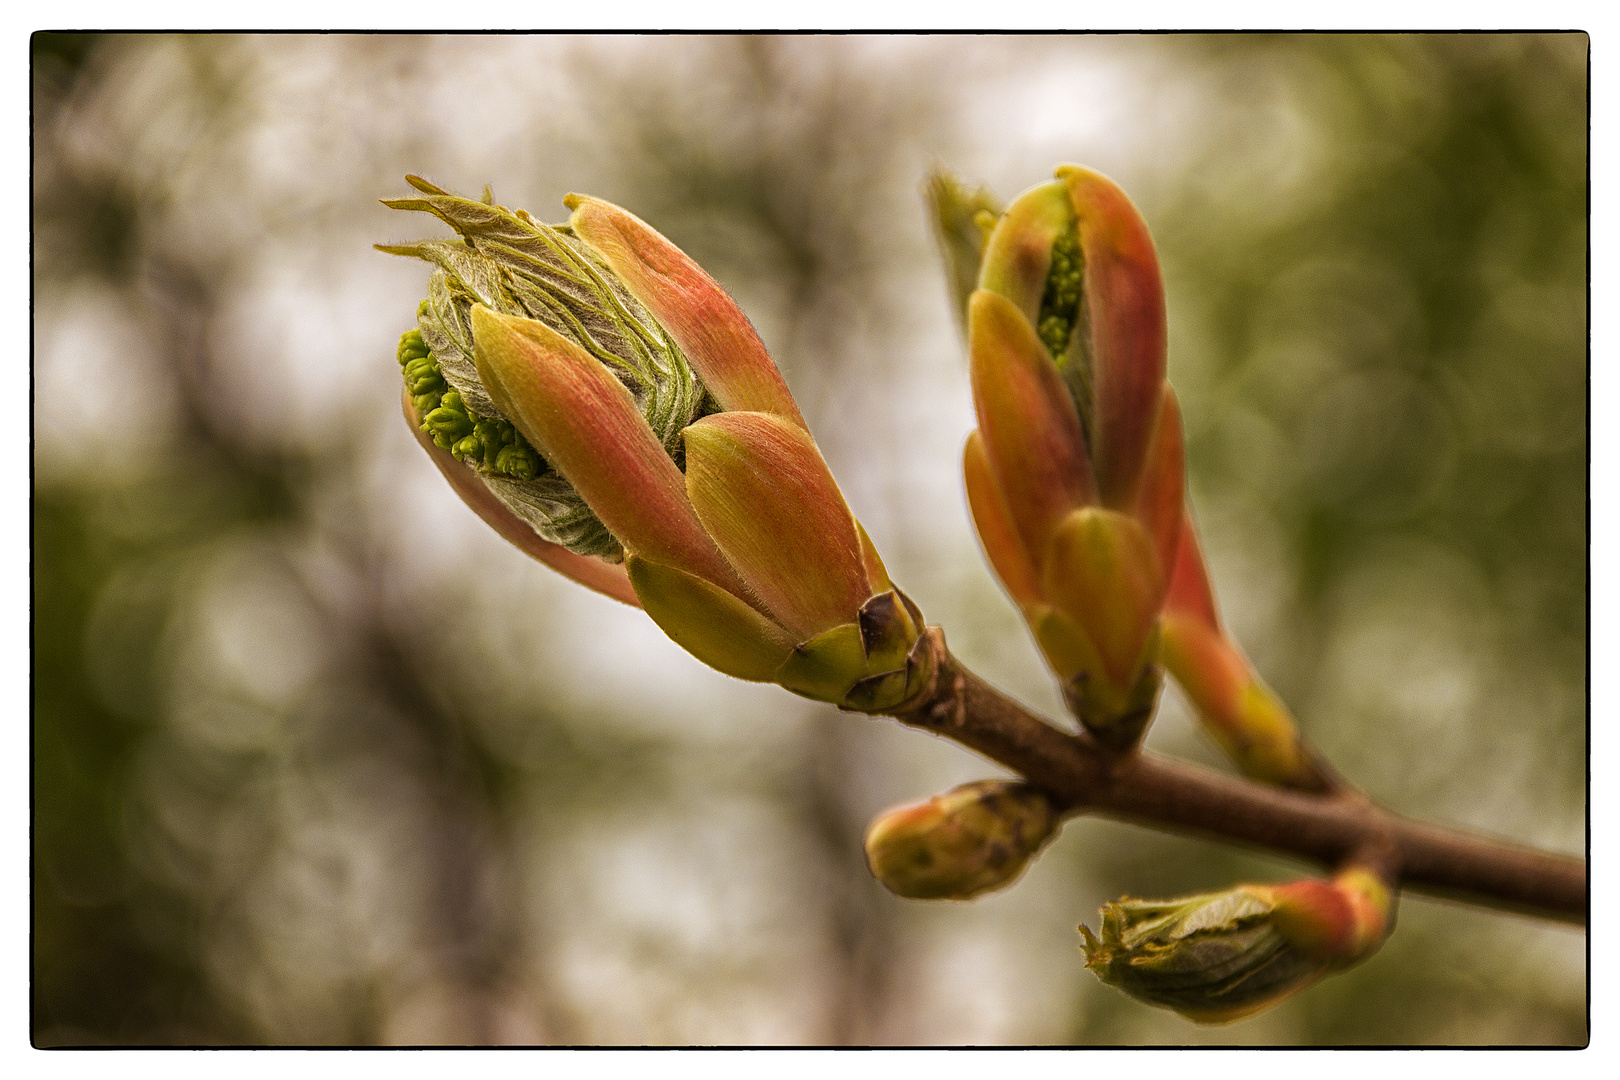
{"points": [[1155, 791]]}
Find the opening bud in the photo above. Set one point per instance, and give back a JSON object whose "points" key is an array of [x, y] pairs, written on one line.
{"points": [[1212, 958], [1219, 957], [506, 261], [1075, 475]]}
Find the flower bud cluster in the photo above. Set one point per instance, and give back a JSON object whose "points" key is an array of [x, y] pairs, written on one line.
{"points": [[511, 263], [489, 444]]}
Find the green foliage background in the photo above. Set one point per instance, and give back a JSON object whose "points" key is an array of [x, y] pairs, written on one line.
{"points": [[319, 760]]}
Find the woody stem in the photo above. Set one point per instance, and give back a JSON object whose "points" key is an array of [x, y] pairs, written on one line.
{"points": [[1161, 793]]}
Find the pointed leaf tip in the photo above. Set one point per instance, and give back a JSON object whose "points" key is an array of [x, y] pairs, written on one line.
{"points": [[699, 315], [1124, 298]]}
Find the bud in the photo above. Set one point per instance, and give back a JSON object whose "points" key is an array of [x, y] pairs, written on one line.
{"points": [[1246, 719], [1075, 474], [971, 840], [610, 394], [1219, 957]]}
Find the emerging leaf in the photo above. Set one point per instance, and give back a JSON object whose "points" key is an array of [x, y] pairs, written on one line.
{"points": [[1124, 304], [1213, 958]]}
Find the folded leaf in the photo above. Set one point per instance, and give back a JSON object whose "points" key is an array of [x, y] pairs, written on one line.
{"points": [[764, 494], [1124, 303], [585, 423], [705, 322], [1161, 496], [1019, 252], [993, 522], [1102, 572], [1190, 593], [1069, 652], [1027, 420]]}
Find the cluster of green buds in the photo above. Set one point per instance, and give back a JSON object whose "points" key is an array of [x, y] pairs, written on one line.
{"points": [[1222, 956], [608, 408], [1075, 474], [490, 445], [971, 840]]}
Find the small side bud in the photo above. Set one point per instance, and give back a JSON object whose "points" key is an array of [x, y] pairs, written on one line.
{"points": [[1213, 958], [1219, 957], [971, 840]]}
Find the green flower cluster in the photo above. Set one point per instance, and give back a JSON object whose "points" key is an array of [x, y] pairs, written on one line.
{"points": [[491, 445], [507, 261], [1060, 300], [1063, 311]]}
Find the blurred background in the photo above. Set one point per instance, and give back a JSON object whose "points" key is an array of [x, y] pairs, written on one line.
{"points": [[318, 759]]}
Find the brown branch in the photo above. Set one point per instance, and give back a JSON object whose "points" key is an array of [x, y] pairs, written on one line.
{"points": [[1161, 793]]}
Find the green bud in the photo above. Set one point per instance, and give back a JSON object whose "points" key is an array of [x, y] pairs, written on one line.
{"points": [[426, 403], [518, 462], [517, 266], [971, 840], [411, 346], [423, 378], [448, 421], [1213, 958]]}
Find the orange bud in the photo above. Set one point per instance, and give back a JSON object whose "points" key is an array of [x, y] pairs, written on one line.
{"points": [[763, 492], [992, 519], [1031, 432]]}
